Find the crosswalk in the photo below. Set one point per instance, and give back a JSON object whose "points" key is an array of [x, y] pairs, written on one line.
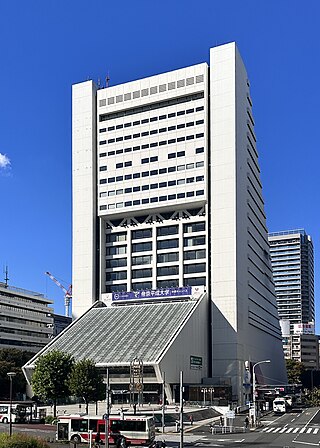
{"points": [[287, 430]]}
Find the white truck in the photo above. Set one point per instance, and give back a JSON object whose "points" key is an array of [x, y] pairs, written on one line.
{"points": [[281, 405]]}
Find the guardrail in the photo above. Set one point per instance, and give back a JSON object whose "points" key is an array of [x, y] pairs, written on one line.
{"points": [[227, 429]]}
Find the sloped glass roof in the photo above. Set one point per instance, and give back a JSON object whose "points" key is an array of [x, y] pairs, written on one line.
{"points": [[119, 334]]}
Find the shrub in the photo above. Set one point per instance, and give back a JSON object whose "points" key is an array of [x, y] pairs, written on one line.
{"points": [[18, 440], [50, 420]]}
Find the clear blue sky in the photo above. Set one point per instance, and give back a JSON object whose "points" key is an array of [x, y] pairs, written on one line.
{"points": [[47, 45]]}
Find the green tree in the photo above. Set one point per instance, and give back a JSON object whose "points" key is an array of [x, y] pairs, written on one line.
{"points": [[86, 382], [313, 397], [50, 379], [295, 371], [11, 360]]}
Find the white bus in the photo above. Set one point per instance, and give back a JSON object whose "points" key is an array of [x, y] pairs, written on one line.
{"points": [[132, 429], [18, 414]]}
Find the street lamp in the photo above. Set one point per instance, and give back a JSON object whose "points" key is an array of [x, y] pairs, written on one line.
{"points": [[204, 390], [254, 388], [10, 375]]}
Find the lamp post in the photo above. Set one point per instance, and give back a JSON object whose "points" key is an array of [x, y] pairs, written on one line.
{"points": [[10, 375], [254, 389], [204, 390]]}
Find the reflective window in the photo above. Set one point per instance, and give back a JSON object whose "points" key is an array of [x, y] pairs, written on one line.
{"points": [[141, 285], [166, 258], [194, 254], [116, 275], [141, 247], [194, 268], [138, 234], [116, 250], [142, 273], [168, 244], [116, 263], [194, 241], [146, 259], [195, 281], [168, 283], [195, 227], [168, 270], [167, 230]]}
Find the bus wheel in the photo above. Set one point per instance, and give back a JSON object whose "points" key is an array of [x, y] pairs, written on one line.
{"points": [[5, 420], [76, 439]]}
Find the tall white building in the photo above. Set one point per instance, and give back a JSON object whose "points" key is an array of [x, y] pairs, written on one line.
{"points": [[167, 193]]}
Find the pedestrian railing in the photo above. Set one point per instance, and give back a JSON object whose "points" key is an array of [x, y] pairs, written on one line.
{"points": [[227, 429]]}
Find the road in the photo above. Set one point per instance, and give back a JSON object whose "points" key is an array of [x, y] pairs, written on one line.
{"points": [[293, 430]]}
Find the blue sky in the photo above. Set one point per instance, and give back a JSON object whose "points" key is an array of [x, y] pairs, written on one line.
{"points": [[47, 45]]}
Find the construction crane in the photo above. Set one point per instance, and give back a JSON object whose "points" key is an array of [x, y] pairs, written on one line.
{"points": [[67, 293]]}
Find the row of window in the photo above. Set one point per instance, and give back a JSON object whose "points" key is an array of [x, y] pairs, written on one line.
{"points": [[153, 119], [170, 169], [161, 271], [152, 106], [168, 283], [152, 132], [153, 90], [170, 197], [146, 146], [161, 245], [170, 183], [154, 144], [161, 258], [161, 231]]}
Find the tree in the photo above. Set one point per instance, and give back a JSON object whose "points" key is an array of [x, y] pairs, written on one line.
{"points": [[11, 360], [295, 370], [86, 382], [314, 397], [50, 379]]}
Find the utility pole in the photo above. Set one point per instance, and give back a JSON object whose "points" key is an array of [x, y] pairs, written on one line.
{"points": [[163, 401], [181, 409], [107, 412]]}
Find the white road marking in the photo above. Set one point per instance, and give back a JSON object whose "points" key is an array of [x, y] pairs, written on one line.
{"points": [[277, 429], [309, 430], [283, 430], [295, 430], [289, 430], [302, 430], [316, 430]]}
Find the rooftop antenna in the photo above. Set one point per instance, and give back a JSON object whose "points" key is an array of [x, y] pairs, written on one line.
{"points": [[6, 279], [107, 80]]}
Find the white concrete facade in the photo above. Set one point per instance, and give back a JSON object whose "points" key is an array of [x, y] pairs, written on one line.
{"points": [[178, 202]]}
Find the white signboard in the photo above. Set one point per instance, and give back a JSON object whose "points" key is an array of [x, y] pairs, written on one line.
{"points": [[303, 328]]}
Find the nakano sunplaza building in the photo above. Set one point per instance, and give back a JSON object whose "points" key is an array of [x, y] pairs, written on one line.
{"points": [[166, 196]]}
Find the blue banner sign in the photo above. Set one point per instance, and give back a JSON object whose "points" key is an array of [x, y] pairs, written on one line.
{"points": [[152, 293]]}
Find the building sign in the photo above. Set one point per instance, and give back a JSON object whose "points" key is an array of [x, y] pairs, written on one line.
{"points": [[152, 293], [303, 328], [195, 362]]}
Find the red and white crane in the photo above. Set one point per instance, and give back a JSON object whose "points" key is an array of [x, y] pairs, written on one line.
{"points": [[67, 293]]}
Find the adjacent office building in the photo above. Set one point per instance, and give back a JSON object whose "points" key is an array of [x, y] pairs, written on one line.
{"points": [[167, 195], [293, 273]]}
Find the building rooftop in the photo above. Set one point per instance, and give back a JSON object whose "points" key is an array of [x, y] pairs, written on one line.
{"points": [[288, 232], [118, 334]]}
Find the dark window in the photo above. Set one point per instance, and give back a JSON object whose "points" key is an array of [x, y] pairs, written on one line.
{"points": [[111, 153], [199, 178], [127, 125], [111, 140], [181, 139], [145, 187], [103, 168], [190, 137], [103, 181], [116, 275], [166, 258], [181, 153], [200, 108], [199, 150], [194, 227], [171, 169], [128, 177], [168, 271], [162, 170], [135, 123], [119, 178], [171, 283], [145, 173], [194, 268], [136, 148], [111, 180], [153, 145], [127, 149], [116, 250], [119, 151], [195, 281], [145, 120], [154, 200], [136, 202], [171, 115], [146, 160], [200, 135], [153, 186], [189, 111], [194, 241], [199, 121], [154, 119], [116, 237], [190, 194], [136, 175], [181, 195], [145, 146], [111, 128], [162, 117], [102, 154], [167, 230], [119, 126], [162, 130], [141, 247], [199, 192], [164, 142], [171, 128], [153, 172], [172, 155], [194, 254], [139, 234], [154, 159], [142, 273], [181, 112], [136, 135], [119, 165], [162, 198], [136, 189], [171, 183], [162, 184], [154, 131], [172, 140], [137, 287], [171, 196], [128, 204], [119, 139], [102, 130], [128, 163], [116, 263], [180, 126], [146, 259], [168, 244], [145, 201]]}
